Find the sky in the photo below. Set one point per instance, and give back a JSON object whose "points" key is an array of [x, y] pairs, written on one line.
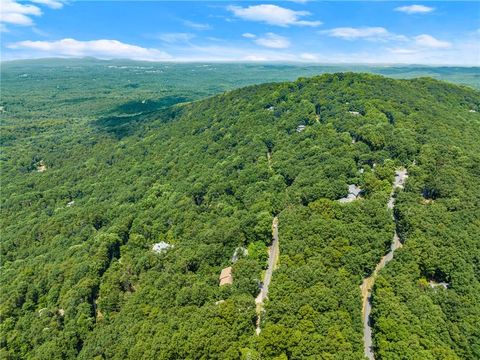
{"points": [[380, 32]]}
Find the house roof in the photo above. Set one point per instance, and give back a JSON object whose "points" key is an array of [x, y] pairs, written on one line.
{"points": [[226, 276], [161, 246], [226, 272]]}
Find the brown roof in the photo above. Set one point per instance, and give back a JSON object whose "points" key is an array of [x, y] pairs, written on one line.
{"points": [[226, 276]]}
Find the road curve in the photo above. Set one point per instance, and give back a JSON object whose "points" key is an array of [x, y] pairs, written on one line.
{"points": [[367, 284]]}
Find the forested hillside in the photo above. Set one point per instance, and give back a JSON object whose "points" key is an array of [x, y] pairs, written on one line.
{"points": [[85, 88], [85, 197]]}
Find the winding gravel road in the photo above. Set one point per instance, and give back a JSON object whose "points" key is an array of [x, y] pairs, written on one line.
{"points": [[273, 254], [367, 285]]}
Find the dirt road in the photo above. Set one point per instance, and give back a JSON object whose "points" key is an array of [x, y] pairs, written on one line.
{"points": [[273, 254], [367, 285]]}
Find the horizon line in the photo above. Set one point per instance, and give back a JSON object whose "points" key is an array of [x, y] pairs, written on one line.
{"points": [[259, 62]]}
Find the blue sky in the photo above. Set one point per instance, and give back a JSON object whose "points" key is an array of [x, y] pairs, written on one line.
{"points": [[438, 32]]}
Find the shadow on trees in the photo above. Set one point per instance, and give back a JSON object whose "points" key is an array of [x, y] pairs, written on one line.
{"points": [[126, 124], [135, 107]]}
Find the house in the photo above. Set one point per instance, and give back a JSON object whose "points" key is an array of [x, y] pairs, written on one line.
{"points": [[433, 284], [354, 192], [161, 247], [300, 128], [41, 167], [239, 251], [226, 276]]}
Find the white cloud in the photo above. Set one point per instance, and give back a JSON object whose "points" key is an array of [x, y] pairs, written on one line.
{"points": [[368, 33], [403, 51], [103, 49], [254, 57], [308, 57], [16, 19], [273, 15], [272, 40], [429, 41], [415, 9], [249, 35], [464, 52], [422, 44], [196, 26], [350, 33], [417, 43], [232, 53], [175, 37], [15, 13], [53, 4], [213, 38]]}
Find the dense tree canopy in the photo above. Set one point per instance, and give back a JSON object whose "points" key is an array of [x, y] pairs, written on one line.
{"points": [[83, 202]]}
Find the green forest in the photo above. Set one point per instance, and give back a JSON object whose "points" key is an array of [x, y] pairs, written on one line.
{"points": [[97, 166]]}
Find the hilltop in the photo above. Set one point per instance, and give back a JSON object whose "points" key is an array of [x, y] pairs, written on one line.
{"points": [[84, 201]]}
